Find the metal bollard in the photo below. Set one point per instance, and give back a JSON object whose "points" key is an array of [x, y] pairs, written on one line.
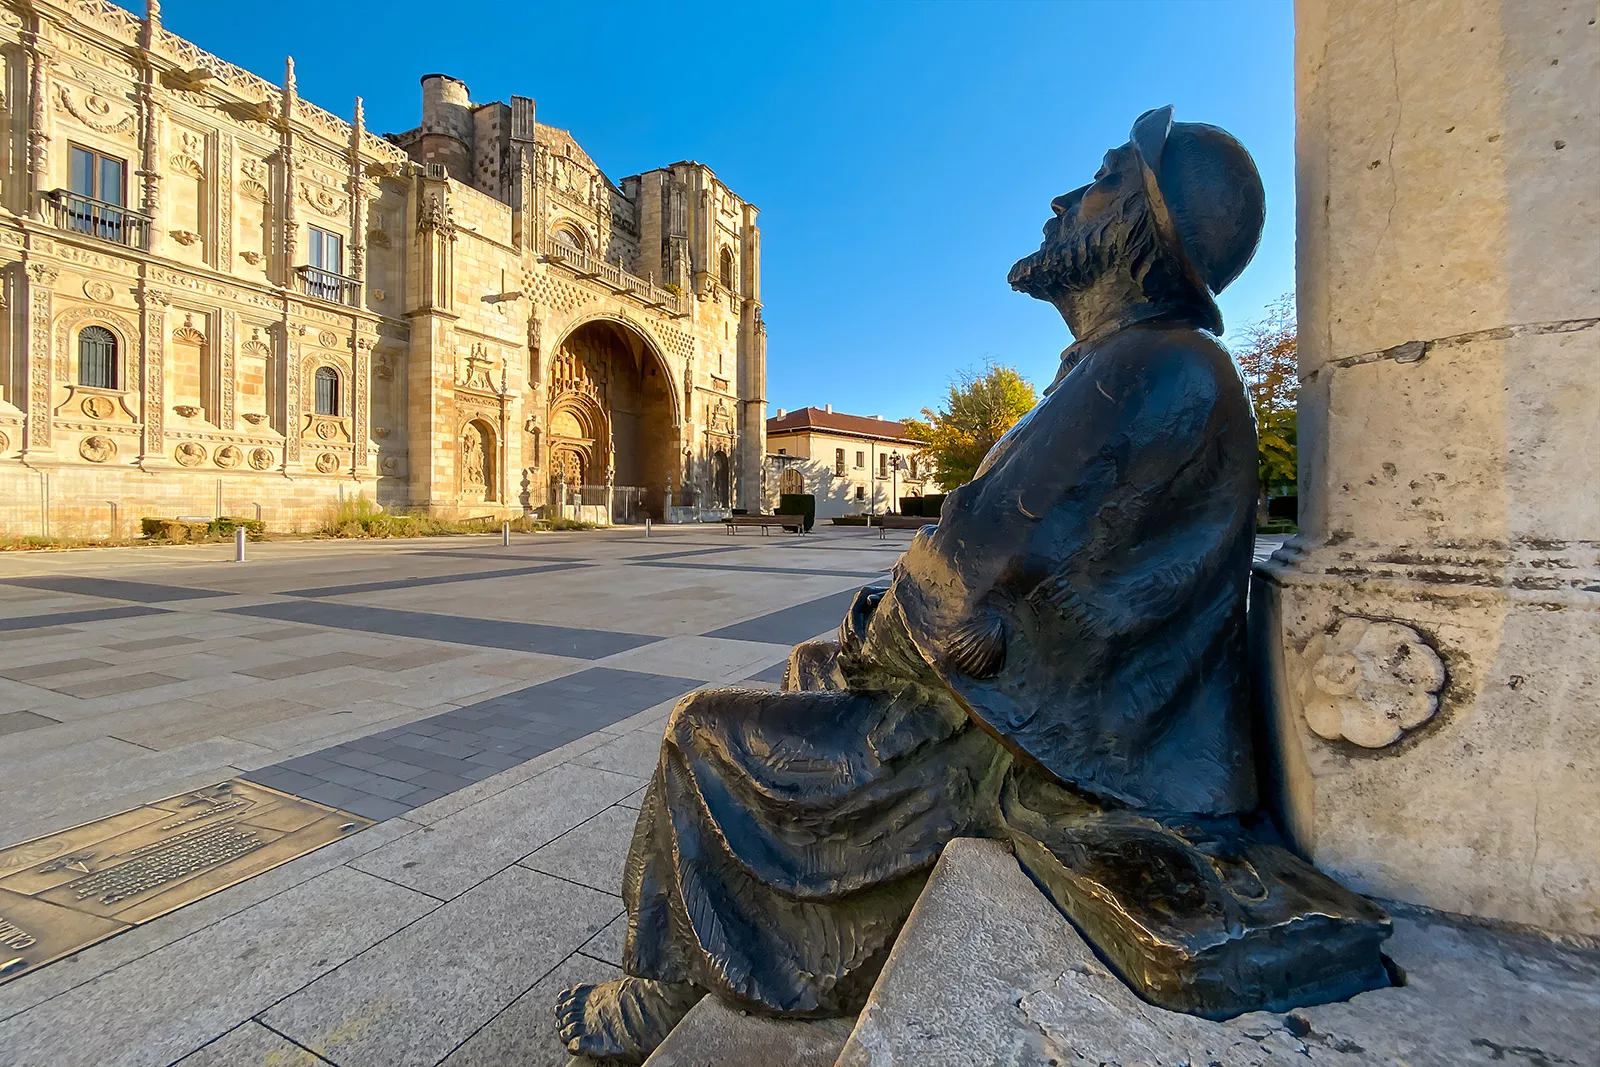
{"points": [[238, 544], [647, 527], [505, 534]]}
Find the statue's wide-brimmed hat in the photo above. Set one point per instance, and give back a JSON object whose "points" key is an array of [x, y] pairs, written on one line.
{"points": [[1205, 197]]}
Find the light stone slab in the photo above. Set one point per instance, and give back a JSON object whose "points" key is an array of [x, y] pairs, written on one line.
{"points": [[591, 853], [713, 659], [988, 971], [635, 753], [170, 1002], [716, 1035], [409, 1001], [524, 1035], [607, 945], [251, 1045], [459, 851]]}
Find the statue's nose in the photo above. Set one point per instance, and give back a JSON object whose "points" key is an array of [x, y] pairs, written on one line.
{"points": [[1063, 204]]}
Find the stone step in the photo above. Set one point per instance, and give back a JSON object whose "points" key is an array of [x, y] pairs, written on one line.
{"points": [[987, 971], [716, 1035]]}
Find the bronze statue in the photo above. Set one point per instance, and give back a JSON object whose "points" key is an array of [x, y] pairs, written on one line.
{"points": [[1059, 662]]}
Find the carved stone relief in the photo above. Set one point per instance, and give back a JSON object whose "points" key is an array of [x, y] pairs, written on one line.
{"points": [[261, 459], [1370, 682], [327, 462], [97, 449], [189, 454]]}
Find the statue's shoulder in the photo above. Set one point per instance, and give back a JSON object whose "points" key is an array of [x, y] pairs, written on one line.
{"points": [[1177, 355]]}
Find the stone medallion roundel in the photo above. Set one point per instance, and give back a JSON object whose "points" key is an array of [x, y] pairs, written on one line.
{"points": [[327, 462], [229, 456], [261, 458], [189, 454], [99, 292], [328, 339], [326, 430], [98, 408], [97, 449], [5, 443]]}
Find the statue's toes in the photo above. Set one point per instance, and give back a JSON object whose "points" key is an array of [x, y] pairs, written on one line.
{"points": [[569, 1008]]}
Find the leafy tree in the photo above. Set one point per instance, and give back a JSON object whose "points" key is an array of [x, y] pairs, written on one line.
{"points": [[1268, 359], [981, 408]]}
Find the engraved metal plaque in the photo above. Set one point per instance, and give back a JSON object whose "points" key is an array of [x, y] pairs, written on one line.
{"points": [[64, 892]]}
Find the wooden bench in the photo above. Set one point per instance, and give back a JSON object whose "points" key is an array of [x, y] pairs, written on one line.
{"points": [[885, 523], [733, 522]]}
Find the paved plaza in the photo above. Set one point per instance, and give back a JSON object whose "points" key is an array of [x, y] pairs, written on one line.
{"points": [[496, 710]]}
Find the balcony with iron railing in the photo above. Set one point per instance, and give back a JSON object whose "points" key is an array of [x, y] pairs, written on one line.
{"points": [[96, 218], [326, 285], [593, 268]]}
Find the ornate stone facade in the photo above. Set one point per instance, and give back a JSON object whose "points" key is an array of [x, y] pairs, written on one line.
{"points": [[217, 291]]}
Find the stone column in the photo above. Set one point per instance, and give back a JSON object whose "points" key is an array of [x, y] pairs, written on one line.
{"points": [[1431, 640]]}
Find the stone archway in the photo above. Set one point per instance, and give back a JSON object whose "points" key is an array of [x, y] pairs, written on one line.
{"points": [[613, 412]]}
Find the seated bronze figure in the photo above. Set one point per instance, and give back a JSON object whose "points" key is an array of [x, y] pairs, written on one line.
{"points": [[1059, 662]]}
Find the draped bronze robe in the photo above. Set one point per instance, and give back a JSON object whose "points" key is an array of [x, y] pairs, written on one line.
{"points": [[1077, 614]]}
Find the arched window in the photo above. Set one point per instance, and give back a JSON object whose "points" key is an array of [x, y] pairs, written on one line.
{"points": [[327, 391], [571, 238], [97, 358], [727, 270]]}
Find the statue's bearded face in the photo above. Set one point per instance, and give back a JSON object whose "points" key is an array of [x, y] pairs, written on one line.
{"points": [[1097, 228]]}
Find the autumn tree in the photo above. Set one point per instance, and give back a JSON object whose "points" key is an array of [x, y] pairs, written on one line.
{"points": [[1267, 357], [981, 407]]}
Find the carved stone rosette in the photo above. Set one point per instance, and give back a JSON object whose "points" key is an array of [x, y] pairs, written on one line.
{"points": [[1370, 682]]}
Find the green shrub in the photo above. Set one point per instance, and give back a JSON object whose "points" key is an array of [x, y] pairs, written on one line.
{"points": [[799, 504]]}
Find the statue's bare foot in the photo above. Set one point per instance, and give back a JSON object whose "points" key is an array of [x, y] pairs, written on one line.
{"points": [[622, 1021]]}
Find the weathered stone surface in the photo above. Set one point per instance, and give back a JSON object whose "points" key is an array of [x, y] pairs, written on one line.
{"points": [[1449, 320], [987, 972], [715, 1035]]}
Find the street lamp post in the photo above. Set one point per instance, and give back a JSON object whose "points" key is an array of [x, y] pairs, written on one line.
{"points": [[894, 480]]}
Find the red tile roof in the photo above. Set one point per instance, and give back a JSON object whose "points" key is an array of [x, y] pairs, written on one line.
{"points": [[837, 422]]}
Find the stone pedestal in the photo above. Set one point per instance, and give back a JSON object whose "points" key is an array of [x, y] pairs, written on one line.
{"points": [[1431, 640]]}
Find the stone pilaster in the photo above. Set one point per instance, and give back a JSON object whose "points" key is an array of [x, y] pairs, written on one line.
{"points": [[41, 276], [1431, 640], [152, 354]]}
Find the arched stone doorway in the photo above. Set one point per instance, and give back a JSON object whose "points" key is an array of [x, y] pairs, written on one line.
{"points": [[477, 467], [791, 481], [721, 479], [611, 412]]}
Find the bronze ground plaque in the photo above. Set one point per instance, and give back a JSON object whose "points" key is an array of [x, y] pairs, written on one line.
{"points": [[64, 892]]}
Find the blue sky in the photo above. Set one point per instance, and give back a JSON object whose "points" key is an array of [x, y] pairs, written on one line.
{"points": [[903, 154]]}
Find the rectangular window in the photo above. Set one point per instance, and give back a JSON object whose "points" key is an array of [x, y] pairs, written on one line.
{"points": [[861, 492], [838, 461], [98, 177], [861, 459], [99, 188], [883, 464], [783, 451], [326, 251]]}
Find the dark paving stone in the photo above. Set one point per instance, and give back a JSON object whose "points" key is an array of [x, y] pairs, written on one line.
{"points": [[112, 589], [757, 570], [405, 766], [59, 622], [14, 722], [792, 625], [454, 629], [436, 579], [45, 670]]}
